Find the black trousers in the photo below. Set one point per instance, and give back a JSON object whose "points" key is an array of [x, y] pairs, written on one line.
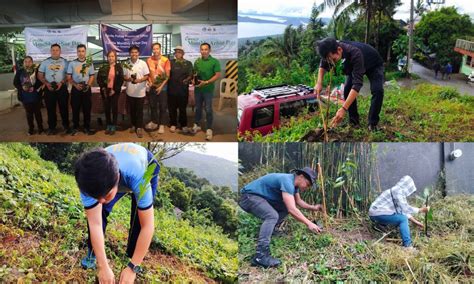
{"points": [[110, 107], [61, 98], [33, 110], [133, 233], [158, 106], [136, 111], [376, 78], [81, 100], [178, 104]]}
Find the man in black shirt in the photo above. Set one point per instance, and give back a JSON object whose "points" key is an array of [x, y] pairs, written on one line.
{"points": [[358, 59]]}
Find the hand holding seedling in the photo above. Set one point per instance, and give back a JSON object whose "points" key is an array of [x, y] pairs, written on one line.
{"points": [[318, 207], [314, 228], [338, 117], [425, 209]]}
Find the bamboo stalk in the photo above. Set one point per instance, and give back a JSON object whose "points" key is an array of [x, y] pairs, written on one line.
{"points": [[321, 113], [320, 175]]}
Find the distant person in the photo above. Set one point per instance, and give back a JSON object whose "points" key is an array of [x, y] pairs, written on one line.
{"points": [[27, 84], [443, 72], [270, 198], [180, 76], [208, 70], [80, 75], [110, 81], [391, 208], [159, 66], [449, 70], [136, 89], [436, 68], [52, 73], [104, 176], [358, 59]]}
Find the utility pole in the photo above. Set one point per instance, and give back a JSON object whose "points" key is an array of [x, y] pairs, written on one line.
{"points": [[410, 37]]}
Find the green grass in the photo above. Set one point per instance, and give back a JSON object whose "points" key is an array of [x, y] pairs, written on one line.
{"points": [[348, 251], [43, 223], [427, 113]]}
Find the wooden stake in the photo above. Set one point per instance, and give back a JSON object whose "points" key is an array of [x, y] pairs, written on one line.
{"points": [[321, 177], [318, 95]]}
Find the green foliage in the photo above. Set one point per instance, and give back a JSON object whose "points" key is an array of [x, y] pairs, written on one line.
{"points": [[439, 29], [179, 194], [448, 93], [204, 247]]}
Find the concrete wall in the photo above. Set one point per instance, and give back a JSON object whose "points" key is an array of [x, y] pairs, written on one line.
{"points": [[424, 162], [421, 161], [459, 172]]}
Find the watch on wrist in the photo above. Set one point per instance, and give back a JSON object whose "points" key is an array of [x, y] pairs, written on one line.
{"points": [[135, 268]]}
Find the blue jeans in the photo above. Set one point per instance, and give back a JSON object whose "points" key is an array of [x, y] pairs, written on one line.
{"points": [[203, 98], [396, 219]]}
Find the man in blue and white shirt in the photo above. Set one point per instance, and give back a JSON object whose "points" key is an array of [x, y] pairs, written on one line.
{"points": [[80, 75], [391, 208], [103, 177], [52, 73]]}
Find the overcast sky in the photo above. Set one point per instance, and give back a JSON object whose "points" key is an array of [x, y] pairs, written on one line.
{"points": [[226, 150], [302, 8]]}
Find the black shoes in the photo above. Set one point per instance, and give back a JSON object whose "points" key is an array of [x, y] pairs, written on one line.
{"points": [[264, 259]]}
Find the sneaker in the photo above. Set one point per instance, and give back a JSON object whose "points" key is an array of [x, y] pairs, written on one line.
{"points": [[89, 262], [161, 130], [51, 132], [173, 129], [373, 128], [112, 130], [68, 131], [132, 129], [31, 132], [107, 130], [74, 132], [209, 135], [185, 130], [195, 128], [410, 249], [41, 130], [151, 126], [140, 132]]}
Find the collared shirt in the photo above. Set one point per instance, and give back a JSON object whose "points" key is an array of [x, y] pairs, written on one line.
{"points": [[271, 186], [180, 70], [358, 58], [140, 68], [385, 205], [206, 69], [54, 70], [74, 69], [133, 162]]}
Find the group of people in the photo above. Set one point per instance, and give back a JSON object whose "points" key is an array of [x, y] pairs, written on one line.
{"points": [[445, 70], [273, 196], [164, 82]]}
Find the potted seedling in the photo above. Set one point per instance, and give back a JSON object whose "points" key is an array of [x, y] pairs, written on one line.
{"points": [[27, 86], [126, 64], [54, 84], [85, 67], [159, 79]]}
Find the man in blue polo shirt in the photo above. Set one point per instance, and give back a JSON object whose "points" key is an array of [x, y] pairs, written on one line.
{"points": [[52, 73], [271, 198], [103, 177], [80, 75]]}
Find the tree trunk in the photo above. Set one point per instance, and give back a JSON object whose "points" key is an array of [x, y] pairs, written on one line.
{"points": [[369, 15]]}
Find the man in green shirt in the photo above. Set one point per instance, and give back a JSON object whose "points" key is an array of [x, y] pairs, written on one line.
{"points": [[207, 70]]}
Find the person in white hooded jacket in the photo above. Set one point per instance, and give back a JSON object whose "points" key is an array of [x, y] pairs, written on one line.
{"points": [[391, 208]]}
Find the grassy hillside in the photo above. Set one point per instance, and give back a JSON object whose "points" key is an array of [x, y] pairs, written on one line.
{"points": [[43, 231]]}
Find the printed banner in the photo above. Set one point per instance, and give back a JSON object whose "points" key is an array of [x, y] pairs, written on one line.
{"points": [[38, 41], [223, 40], [121, 40]]}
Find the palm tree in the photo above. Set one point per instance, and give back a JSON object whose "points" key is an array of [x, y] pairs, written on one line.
{"points": [[285, 46]]}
